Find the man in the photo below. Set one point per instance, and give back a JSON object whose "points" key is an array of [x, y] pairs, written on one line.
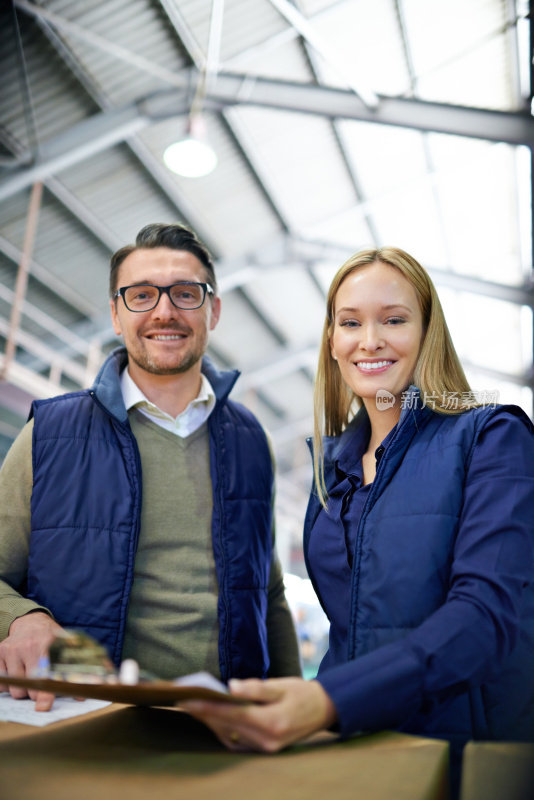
{"points": [[140, 510]]}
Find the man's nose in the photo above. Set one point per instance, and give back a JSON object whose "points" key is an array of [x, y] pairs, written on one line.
{"points": [[165, 307]]}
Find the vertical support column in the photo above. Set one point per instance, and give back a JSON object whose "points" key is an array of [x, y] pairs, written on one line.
{"points": [[22, 277]]}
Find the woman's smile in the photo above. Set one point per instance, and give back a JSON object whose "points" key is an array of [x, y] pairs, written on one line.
{"points": [[374, 366]]}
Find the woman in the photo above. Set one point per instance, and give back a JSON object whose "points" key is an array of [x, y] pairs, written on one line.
{"points": [[419, 534]]}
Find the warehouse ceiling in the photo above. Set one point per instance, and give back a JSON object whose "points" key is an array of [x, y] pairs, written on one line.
{"points": [[337, 125]]}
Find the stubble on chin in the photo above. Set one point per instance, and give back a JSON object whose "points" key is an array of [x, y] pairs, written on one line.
{"points": [[146, 362], [151, 366]]}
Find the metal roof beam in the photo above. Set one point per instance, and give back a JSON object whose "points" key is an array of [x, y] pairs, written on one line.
{"points": [[521, 295], [109, 128], [78, 209], [232, 275], [499, 126], [86, 139], [313, 37], [511, 127]]}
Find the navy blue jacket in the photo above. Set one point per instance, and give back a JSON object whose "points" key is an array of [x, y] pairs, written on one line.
{"points": [[86, 507], [441, 619]]}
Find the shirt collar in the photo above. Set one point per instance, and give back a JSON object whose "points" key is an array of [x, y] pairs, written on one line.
{"points": [[133, 396]]}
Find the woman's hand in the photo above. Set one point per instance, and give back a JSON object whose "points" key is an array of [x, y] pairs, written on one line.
{"points": [[281, 711]]}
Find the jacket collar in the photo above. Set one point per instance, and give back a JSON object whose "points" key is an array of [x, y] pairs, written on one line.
{"points": [[342, 452], [107, 389]]}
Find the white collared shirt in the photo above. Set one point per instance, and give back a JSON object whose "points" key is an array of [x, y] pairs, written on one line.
{"points": [[191, 418]]}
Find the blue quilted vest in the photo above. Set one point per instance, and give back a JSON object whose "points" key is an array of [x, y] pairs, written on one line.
{"points": [[86, 506]]}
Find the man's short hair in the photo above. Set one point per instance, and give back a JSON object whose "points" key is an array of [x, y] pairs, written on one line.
{"points": [[159, 234]]}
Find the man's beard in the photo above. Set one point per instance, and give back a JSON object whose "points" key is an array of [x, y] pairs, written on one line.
{"points": [[149, 365], [141, 356]]}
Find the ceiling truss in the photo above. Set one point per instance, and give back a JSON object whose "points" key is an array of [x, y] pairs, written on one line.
{"points": [[224, 91]]}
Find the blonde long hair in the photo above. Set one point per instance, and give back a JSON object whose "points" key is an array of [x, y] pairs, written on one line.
{"points": [[438, 372]]}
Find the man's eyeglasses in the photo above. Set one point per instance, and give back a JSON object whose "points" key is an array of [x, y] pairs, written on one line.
{"points": [[186, 295]]}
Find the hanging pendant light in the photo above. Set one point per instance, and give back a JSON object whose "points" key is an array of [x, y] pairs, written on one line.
{"points": [[192, 156]]}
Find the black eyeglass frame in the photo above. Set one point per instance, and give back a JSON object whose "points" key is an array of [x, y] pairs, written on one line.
{"points": [[206, 288]]}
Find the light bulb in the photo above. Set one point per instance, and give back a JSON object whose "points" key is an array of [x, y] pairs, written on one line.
{"points": [[191, 157]]}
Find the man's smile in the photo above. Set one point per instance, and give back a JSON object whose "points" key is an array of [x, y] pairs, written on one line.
{"points": [[166, 337], [167, 334]]}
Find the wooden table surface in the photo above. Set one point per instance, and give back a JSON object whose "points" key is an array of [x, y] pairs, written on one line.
{"points": [[145, 753]]}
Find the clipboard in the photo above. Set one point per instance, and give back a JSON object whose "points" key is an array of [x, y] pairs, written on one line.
{"points": [[145, 693]]}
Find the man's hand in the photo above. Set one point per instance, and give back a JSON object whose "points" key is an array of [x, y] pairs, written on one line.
{"points": [[29, 638]]}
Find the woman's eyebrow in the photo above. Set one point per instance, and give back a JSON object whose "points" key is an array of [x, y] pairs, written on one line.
{"points": [[387, 307]]}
